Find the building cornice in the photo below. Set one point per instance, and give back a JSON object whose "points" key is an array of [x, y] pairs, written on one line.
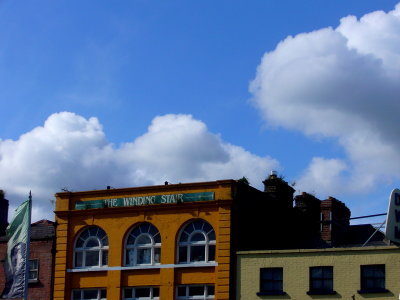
{"points": [[322, 250], [149, 189]]}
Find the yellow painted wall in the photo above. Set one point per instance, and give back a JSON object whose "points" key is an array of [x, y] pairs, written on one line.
{"points": [[295, 263], [117, 222]]}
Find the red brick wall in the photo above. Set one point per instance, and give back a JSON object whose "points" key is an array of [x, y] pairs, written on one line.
{"points": [[41, 250], [335, 220], [326, 212], [3, 250]]}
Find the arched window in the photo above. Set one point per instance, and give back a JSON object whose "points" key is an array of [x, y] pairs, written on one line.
{"points": [[143, 245], [91, 248], [196, 243]]}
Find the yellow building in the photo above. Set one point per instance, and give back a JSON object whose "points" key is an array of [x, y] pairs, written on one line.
{"points": [[156, 242], [371, 272]]}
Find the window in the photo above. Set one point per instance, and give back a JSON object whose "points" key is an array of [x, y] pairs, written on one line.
{"points": [[143, 246], [89, 294], [321, 281], [271, 281], [91, 248], [373, 279], [186, 292], [143, 293], [196, 243], [33, 270]]}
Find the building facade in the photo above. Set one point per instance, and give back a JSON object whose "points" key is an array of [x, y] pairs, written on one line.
{"points": [[371, 272], [41, 260], [329, 258], [216, 240], [3, 213], [172, 241], [158, 242]]}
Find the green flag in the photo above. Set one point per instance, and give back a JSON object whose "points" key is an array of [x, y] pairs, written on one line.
{"points": [[17, 252]]}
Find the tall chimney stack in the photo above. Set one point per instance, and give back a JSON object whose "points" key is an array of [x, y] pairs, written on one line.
{"points": [[335, 221], [277, 188]]}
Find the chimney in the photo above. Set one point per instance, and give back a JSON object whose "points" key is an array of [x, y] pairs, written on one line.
{"points": [[335, 221], [277, 188], [3, 213], [309, 212], [307, 203]]}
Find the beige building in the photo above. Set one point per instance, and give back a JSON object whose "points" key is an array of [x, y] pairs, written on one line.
{"points": [[371, 272], [324, 257]]}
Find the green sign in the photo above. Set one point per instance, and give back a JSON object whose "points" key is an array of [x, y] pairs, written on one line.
{"points": [[145, 200]]}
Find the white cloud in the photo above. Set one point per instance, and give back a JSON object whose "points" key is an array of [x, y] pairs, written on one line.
{"points": [[342, 83], [324, 171], [72, 152]]}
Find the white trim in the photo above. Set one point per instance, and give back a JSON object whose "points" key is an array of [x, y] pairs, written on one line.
{"points": [[165, 266], [135, 247], [133, 289], [100, 249], [36, 270], [81, 291], [190, 230], [187, 287]]}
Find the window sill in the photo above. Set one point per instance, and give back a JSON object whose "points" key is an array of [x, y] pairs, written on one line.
{"points": [[196, 262], [144, 267], [321, 292], [33, 281], [271, 293], [88, 269], [373, 291]]}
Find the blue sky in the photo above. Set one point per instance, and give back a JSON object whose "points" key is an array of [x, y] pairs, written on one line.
{"points": [[96, 93]]}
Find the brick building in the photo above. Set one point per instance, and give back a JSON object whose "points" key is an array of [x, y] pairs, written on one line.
{"points": [[3, 213], [41, 260]]}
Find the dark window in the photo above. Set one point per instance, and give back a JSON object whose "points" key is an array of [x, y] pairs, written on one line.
{"points": [[271, 281], [321, 281], [373, 279]]}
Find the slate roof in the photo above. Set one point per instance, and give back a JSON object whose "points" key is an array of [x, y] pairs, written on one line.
{"points": [[359, 234], [40, 230]]}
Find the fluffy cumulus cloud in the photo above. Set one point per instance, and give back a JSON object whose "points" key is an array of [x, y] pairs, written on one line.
{"points": [[72, 152], [341, 83]]}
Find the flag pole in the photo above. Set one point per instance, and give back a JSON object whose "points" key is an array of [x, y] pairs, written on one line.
{"points": [[28, 246]]}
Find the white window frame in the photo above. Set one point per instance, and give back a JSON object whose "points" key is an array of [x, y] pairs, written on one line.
{"points": [[102, 249], [205, 295], [189, 244], [82, 295], [151, 297], [153, 246], [36, 270]]}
